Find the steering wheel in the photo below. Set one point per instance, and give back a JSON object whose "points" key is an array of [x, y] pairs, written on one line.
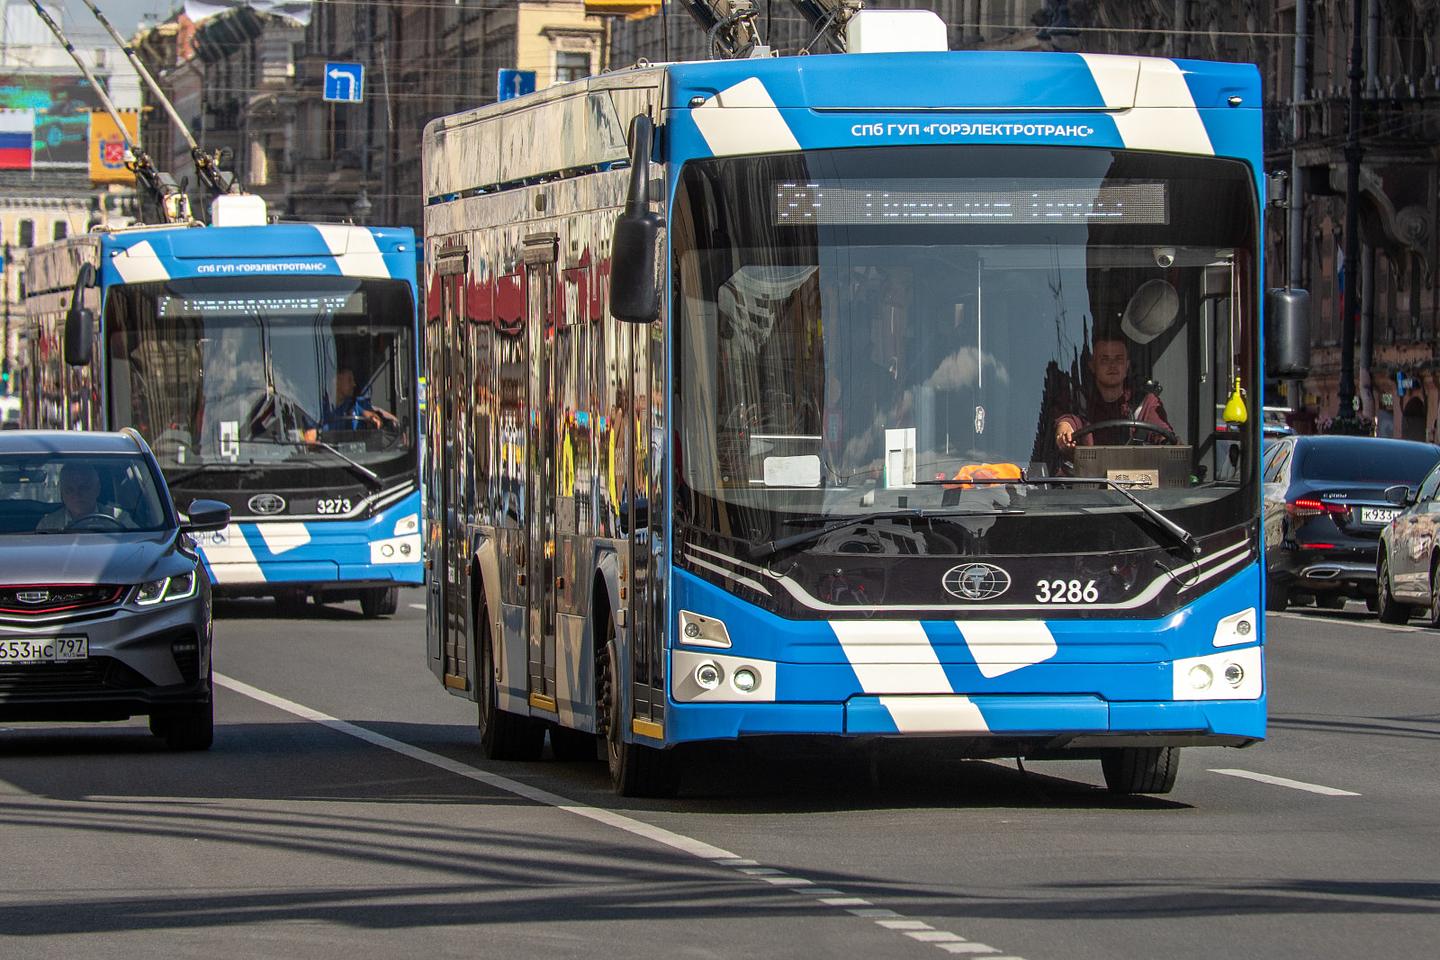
{"points": [[1169, 435], [76, 523]]}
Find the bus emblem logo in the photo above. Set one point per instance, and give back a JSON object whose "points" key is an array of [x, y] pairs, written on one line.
{"points": [[267, 503], [975, 581], [33, 596]]}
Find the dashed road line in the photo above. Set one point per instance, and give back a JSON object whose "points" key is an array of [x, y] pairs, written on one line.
{"points": [[416, 606], [916, 930], [1286, 782]]}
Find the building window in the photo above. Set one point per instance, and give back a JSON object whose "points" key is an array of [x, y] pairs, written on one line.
{"points": [[27, 233], [571, 66], [61, 230]]}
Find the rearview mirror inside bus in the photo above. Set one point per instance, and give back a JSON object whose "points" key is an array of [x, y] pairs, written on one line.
{"points": [[1287, 332], [634, 296]]}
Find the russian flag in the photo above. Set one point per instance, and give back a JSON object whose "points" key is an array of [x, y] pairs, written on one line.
{"points": [[17, 137]]}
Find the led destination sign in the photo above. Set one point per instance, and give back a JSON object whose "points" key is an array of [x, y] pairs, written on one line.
{"points": [[970, 201]]}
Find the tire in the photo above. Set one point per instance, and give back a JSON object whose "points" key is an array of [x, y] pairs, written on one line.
{"points": [[1432, 612], [573, 746], [1132, 770], [379, 601], [1387, 607], [189, 728], [503, 735], [635, 770], [1277, 596], [1330, 601]]}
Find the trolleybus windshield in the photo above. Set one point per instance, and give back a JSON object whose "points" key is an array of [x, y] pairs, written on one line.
{"points": [[237, 373], [855, 325]]}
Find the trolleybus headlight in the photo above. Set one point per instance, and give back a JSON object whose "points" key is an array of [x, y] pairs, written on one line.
{"points": [[1234, 674], [1201, 676], [387, 550], [745, 680], [692, 630], [708, 675], [702, 631], [1243, 628]]}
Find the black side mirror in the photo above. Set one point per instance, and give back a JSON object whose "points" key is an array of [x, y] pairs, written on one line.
{"points": [[206, 515], [80, 321], [1399, 495], [1287, 333], [634, 295]]}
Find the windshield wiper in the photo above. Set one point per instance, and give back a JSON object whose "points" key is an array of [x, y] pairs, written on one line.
{"points": [[1185, 537], [371, 478], [762, 551], [356, 467]]}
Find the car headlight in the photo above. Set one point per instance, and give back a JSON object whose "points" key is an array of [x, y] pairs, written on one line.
{"points": [[179, 587]]}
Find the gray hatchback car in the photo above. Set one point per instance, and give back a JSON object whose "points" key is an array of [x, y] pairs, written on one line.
{"points": [[104, 602]]}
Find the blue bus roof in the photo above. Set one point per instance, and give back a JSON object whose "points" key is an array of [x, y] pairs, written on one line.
{"points": [[274, 249]]}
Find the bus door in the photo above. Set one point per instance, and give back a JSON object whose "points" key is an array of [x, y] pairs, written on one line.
{"points": [[541, 473], [449, 594], [644, 526]]}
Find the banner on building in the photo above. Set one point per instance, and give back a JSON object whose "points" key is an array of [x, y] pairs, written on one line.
{"points": [[61, 104], [17, 138], [297, 10], [107, 146]]}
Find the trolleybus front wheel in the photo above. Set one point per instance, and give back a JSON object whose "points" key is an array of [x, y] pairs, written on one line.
{"points": [[635, 770], [1130, 770], [379, 601]]}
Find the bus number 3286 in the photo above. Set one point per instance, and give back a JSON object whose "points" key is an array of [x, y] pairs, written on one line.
{"points": [[1066, 591]]}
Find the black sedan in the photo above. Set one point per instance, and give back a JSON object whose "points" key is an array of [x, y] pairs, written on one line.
{"points": [[1325, 506], [104, 603]]}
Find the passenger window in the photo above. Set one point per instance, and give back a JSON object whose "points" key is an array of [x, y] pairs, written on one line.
{"points": [[1428, 488], [1277, 465]]}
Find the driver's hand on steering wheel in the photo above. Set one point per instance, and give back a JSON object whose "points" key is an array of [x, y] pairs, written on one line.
{"points": [[1065, 435]]}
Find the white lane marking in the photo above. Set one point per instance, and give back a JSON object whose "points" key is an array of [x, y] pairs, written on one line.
{"points": [[1285, 782], [1393, 628], [743, 867], [660, 835], [417, 606]]}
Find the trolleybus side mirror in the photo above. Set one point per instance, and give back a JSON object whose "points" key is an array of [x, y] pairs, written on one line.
{"points": [[80, 321], [205, 515], [634, 295], [1287, 333]]}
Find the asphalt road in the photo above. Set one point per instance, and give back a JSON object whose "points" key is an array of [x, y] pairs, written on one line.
{"points": [[345, 812]]}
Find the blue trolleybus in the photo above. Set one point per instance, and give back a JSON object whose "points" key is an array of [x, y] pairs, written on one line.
{"points": [[269, 366], [886, 395]]}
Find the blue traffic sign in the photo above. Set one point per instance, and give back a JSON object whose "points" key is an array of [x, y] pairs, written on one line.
{"points": [[345, 82], [515, 83]]}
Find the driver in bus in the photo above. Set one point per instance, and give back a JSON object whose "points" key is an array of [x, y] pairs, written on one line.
{"points": [[1110, 398], [80, 494], [350, 410]]}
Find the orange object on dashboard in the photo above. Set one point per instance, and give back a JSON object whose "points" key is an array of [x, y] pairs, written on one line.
{"points": [[984, 471]]}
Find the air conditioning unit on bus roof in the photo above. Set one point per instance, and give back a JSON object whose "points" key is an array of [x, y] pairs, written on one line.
{"points": [[896, 31], [238, 210]]}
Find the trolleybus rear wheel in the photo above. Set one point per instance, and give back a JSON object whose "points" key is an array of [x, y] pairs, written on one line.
{"points": [[635, 770], [503, 735], [1140, 769]]}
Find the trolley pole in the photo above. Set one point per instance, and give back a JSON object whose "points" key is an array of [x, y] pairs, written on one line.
{"points": [[5, 282]]}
